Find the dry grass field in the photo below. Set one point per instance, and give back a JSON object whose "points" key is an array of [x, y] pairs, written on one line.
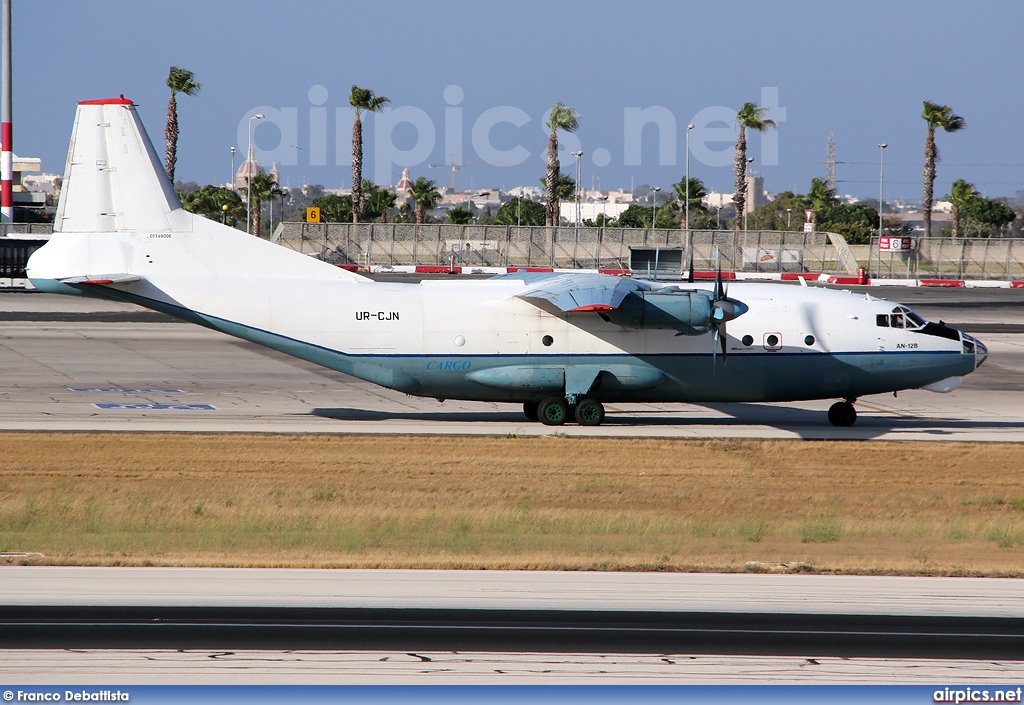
{"points": [[529, 503]]}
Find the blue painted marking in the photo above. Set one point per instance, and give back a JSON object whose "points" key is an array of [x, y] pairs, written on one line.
{"points": [[157, 407], [449, 365], [124, 390]]}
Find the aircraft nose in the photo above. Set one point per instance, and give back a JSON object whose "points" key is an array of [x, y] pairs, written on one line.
{"points": [[980, 353], [973, 346]]}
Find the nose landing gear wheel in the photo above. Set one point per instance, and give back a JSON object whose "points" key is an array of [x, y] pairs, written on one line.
{"points": [[530, 409], [589, 412], [842, 413], [553, 411]]}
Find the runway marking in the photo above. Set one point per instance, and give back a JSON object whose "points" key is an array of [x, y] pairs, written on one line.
{"points": [[124, 390], [157, 407]]}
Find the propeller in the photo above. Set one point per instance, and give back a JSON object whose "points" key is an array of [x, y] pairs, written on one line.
{"points": [[723, 310]]}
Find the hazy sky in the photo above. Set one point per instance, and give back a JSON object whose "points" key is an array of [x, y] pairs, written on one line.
{"points": [[484, 75]]}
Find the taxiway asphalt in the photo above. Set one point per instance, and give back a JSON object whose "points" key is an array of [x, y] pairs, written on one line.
{"points": [[132, 625]]}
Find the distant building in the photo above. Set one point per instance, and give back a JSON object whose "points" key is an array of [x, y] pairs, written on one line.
{"points": [[250, 168], [755, 193], [620, 196], [24, 196], [404, 183], [41, 183], [531, 193], [590, 210]]}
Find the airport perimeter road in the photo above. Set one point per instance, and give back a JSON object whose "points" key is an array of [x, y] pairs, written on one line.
{"points": [[247, 625], [72, 364]]}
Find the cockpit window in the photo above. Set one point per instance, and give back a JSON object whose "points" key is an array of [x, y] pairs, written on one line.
{"points": [[918, 321], [901, 317]]}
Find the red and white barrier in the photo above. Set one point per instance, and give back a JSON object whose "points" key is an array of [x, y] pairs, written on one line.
{"points": [[834, 279]]}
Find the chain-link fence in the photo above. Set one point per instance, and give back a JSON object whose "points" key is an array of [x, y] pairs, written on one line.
{"points": [[663, 251], [370, 244], [949, 258]]}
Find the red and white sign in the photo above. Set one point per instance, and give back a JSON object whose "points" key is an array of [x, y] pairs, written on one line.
{"points": [[894, 244], [808, 216]]}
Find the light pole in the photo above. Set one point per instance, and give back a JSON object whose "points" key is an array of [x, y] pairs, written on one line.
{"points": [[686, 185], [789, 218], [248, 176], [746, 201], [654, 200], [224, 209], [577, 155], [881, 174], [231, 181]]}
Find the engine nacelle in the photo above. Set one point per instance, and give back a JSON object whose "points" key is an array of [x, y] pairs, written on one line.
{"points": [[688, 312]]}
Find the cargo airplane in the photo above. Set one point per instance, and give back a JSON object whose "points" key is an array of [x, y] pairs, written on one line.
{"points": [[562, 345]]}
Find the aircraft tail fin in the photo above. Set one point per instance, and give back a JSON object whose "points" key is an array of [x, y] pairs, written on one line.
{"points": [[117, 204], [113, 179]]}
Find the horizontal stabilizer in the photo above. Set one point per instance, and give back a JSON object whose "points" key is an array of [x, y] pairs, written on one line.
{"points": [[101, 279]]}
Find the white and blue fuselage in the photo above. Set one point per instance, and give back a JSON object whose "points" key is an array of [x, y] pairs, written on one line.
{"points": [[121, 234]]}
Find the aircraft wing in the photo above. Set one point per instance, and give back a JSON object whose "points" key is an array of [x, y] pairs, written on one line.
{"points": [[583, 292], [101, 279]]}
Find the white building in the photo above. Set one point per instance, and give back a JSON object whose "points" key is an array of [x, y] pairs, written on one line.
{"points": [[590, 210]]}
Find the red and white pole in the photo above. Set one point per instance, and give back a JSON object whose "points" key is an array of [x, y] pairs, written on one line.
{"points": [[6, 133]]}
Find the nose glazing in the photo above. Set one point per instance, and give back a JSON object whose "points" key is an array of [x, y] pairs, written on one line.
{"points": [[980, 353]]}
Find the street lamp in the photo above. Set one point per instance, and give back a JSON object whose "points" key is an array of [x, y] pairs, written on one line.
{"points": [[248, 176], [654, 199], [789, 218], [224, 209], [686, 187], [881, 173], [231, 181], [577, 155], [746, 201]]}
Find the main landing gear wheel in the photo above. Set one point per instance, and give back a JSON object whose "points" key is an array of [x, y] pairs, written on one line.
{"points": [[589, 412], [530, 409], [842, 413], [553, 411]]}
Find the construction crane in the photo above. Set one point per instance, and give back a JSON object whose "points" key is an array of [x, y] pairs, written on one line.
{"points": [[455, 167]]}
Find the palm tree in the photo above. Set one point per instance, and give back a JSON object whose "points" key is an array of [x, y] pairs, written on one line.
{"points": [[361, 100], [752, 117], [693, 191], [936, 116], [962, 196], [179, 80], [262, 187], [565, 189], [565, 119], [425, 195], [821, 198], [459, 216], [383, 202], [210, 201]]}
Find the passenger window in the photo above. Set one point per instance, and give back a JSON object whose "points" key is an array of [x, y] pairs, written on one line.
{"points": [[882, 320]]}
